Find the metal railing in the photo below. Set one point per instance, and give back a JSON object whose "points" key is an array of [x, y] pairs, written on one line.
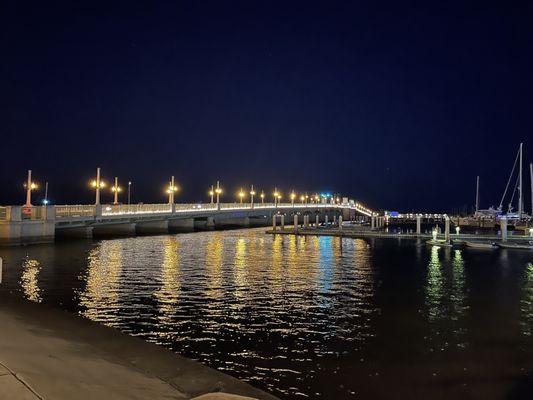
{"points": [[3, 213], [68, 211]]}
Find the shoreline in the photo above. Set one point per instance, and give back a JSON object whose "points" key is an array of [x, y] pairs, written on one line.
{"points": [[49, 353]]}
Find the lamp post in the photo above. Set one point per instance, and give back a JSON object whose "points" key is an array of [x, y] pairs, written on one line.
{"points": [[262, 197], [116, 189], [241, 195], [218, 191], [302, 199], [97, 184], [129, 192], [45, 201], [171, 190], [252, 193], [212, 193], [293, 196], [29, 187], [276, 194]]}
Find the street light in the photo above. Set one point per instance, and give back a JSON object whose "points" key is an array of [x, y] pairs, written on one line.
{"points": [[129, 192], [116, 189], [276, 194], [252, 193], [241, 195], [212, 194], [29, 185], [172, 188], [302, 199], [218, 191], [97, 184], [293, 196], [262, 197]]}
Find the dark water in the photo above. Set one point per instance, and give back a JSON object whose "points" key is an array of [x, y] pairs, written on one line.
{"points": [[305, 317]]}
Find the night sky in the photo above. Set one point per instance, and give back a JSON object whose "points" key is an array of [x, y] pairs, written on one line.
{"points": [[398, 104]]}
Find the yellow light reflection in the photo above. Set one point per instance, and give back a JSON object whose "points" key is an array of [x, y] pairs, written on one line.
{"points": [[28, 280]]}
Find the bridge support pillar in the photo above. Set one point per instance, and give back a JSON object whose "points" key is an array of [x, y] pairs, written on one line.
{"points": [[306, 221], [326, 220], [317, 221], [503, 228], [282, 221], [181, 225], [151, 227], [296, 223], [418, 224], [340, 222], [274, 221], [372, 222], [334, 219], [210, 223]]}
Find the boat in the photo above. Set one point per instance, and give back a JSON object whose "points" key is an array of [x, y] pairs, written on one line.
{"points": [[518, 246], [436, 242], [480, 245], [458, 242]]}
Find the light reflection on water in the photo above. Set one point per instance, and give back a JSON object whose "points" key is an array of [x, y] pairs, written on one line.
{"points": [[282, 312]]}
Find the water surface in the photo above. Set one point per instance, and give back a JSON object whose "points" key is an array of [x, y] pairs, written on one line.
{"points": [[316, 317]]}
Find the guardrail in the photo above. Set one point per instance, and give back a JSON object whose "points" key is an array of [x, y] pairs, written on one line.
{"points": [[68, 211], [122, 209]]}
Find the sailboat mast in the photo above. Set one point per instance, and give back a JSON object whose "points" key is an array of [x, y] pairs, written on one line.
{"points": [[520, 199], [531, 181], [477, 194]]}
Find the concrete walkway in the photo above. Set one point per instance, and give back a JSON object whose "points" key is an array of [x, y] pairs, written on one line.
{"points": [[50, 354]]}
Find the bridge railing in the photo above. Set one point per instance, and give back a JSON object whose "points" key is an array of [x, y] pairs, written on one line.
{"points": [[70, 211], [120, 209], [194, 207], [3, 213]]}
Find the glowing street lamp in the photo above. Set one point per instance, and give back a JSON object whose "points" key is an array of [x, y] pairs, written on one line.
{"points": [[293, 196], [116, 189], [252, 193], [218, 191], [212, 194], [129, 192], [241, 195], [316, 198], [262, 197], [276, 194], [97, 184], [29, 185], [171, 190], [302, 199]]}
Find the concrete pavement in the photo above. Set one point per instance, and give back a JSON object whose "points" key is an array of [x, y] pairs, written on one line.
{"points": [[47, 353]]}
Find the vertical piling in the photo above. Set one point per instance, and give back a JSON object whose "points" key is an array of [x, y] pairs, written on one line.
{"points": [[274, 217], [418, 224], [296, 223], [503, 228], [317, 221], [447, 229], [282, 221]]}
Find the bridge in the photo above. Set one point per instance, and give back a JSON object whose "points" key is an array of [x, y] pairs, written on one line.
{"points": [[42, 224]]}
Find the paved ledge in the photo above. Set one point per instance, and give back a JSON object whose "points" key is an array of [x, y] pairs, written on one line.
{"points": [[47, 353]]}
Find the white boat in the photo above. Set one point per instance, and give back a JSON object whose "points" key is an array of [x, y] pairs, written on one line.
{"points": [[480, 245], [518, 246]]}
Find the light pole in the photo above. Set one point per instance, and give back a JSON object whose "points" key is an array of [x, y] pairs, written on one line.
{"points": [[302, 199], [45, 201], [262, 197], [212, 193], [276, 194], [241, 195], [116, 189], [129, 192], [252, 193], [293, 196], [29, 187], [218, 191], [171, 190], [97, 184]]}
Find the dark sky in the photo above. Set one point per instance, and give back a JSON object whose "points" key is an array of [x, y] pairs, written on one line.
{"points": [[398, 104]]}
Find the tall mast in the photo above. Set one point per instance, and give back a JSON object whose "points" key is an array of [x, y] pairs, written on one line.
{"points": [[520, 199], [531, 181], [477, 193]]}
